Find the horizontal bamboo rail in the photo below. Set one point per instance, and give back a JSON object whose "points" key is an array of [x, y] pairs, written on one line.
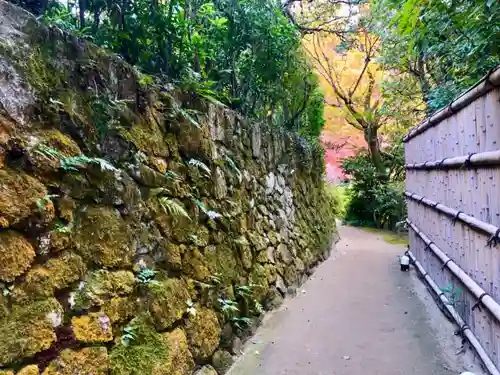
{"points": [[487, 158], [482, 297], [471, 221], [484, 86], [464, 328]]}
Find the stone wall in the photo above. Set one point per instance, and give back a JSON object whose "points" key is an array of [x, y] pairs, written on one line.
{"points": [[142, 231]]}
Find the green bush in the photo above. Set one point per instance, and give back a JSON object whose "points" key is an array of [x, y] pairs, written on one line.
{"points": [[374, 200]]}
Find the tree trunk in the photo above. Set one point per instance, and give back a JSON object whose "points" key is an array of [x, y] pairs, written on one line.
{"points": [[371, 138], [81, 8]]}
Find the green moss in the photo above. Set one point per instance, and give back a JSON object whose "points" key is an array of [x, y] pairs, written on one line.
{"points": [[168, 302], [174, 256], [222, 361], [148, 138], [120, 309], [243, 247], [19, 193], [103, 237], [44, 167], [224, 261], [150, 352], [194, 266], [29, 370], [88, 361], [103, 285], [56, 273], [92, 328], [180, 360], [200, 237], [260, 276], [16, 255], [28, 329], [203, 332]]}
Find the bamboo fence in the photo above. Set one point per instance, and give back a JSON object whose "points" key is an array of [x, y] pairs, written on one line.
{"points": [[453, 192]]}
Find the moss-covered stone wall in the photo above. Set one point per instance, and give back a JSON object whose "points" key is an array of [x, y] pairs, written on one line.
{"points": [[142, 230]]}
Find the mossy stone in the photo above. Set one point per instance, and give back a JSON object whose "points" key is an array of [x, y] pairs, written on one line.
{"points": [[260, 276], [148, 138], [104, 238], [16, 254], [203, 333], [180, 361], [149, 352], [103, 285], [194, 265], [28, 329], [18, 195], [92, 328], [174, 256], [44, 167], [168, 302], [206, 370], [54, 274], [88, 361], [120, 309], [29, 370], [243, 247], [222, 361], [224, 261]]}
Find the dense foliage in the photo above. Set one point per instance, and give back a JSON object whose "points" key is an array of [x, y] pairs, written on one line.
{"points": [[243, 53], [373, 199], [442, 46]]}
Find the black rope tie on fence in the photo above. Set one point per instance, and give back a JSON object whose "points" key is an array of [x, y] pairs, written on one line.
{"points": [[440, 163], [456, 217], [428, 246], [467, 162], [435, 204], [421, 199], [446, 263], [461, 333], [494, 240], [477, 305], [450, 108]]}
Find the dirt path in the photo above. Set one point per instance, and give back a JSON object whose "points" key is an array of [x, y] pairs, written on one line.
{"points": [[358, 314]]}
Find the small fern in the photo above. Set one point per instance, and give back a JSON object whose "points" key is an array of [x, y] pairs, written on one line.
{"points": [[146, 276], [241, 322], [172, 175], [42, 202], [129, 335], [48, 152], [173, 208], [233, 166], [211, 214], [75, 163], [200, 165], [187, 115], [61, 228], [228, 307]]}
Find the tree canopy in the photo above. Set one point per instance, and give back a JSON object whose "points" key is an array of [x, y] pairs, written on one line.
{"points": [[246, 54]]}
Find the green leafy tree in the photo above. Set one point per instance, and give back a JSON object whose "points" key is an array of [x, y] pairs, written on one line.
{"points": [[245, 54]]}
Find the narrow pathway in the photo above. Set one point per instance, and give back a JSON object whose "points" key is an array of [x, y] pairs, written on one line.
{"points": [[358, 314]]}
